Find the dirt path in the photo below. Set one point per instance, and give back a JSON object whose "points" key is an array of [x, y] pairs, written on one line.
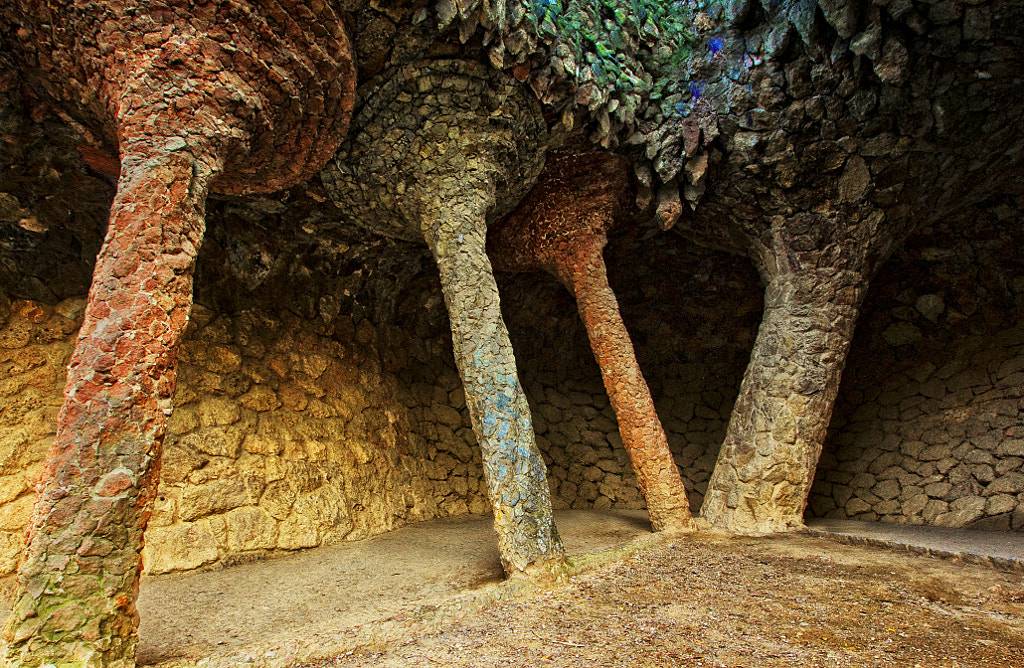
{"points": [[708, 600], [321, 598], [432, 595]]}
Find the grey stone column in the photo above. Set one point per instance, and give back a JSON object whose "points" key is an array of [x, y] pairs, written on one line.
{"points": [[513, 468], [438, 149], [767, 462]]}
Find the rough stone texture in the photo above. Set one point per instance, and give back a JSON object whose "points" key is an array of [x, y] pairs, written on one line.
{"points": [[244, 474], [691, 351], [767, 463], [183, 111], [437, 148], [927, 431], [831, 156], [271, 86], [899, 113], [562, 227], [78, 583]]}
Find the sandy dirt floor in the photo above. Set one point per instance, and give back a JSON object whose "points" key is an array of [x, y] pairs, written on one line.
{"points": [[432, 595], [716, 601], [353, 594]]}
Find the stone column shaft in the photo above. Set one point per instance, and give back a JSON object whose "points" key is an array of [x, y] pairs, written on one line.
{"points": [[513, 468], [642, 433], [767, 462], [77, 587]]}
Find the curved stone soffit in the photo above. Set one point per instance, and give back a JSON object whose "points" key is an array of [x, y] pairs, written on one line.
{"points": [[272, 81], [435, 117]]}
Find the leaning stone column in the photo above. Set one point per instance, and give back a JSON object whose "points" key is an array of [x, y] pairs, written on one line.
{"points": [[562, 227], [767, 462], [185, 124], [80, 579], [438, 149]]}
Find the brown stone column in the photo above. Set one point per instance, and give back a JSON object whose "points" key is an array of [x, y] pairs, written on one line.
{"points": [[561, 227], [767, 462], [77, 587], [642, 434]]}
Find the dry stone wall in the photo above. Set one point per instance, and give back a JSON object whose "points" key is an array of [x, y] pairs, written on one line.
{"points": [[285, 435], [928, 429], [691, 350], [297, 431]]}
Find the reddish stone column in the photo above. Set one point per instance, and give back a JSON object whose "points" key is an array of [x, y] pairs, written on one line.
{"points": [[258, 95], [80, 578], [562, 228]]}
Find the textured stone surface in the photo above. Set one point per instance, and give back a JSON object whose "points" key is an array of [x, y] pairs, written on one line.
{"points": [[906, 117], [830, 159], [562, 228], [436, 149], [767, 463], [935, 419], [79, 580], [272, 86], [184, 111], [365, 454]]}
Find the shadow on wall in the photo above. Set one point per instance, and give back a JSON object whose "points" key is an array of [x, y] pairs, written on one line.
{"points": [[286, 434], [692, 352], [927, 430]]}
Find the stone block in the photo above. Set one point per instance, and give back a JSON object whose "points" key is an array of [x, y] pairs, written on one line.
{"points": [[1017, 518], [1010, 447], [983, 473], [217, 412], [259, 398], [213, 497], [216, 441], [886, 490], [856, 506], [278, 499], [933, 509], [962, 511], [863, 481], [938, 490], [1009, 483], [934, 453], [298, 532], [1008, 464], [887, 507], [821, 504], [250, 528], [915, 504], [999, 504], [165, 508], [179, 548], [588, 491], [883, 462], [16, 515]]}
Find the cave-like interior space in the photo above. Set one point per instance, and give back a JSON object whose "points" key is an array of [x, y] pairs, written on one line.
{"points": [[318, 398]]}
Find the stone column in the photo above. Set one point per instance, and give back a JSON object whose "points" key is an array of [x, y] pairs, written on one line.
{"points": [[75, 603], [440, 148], [642, 434], [513, 468], [562, 228], [767, 462], [184, 107]]}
